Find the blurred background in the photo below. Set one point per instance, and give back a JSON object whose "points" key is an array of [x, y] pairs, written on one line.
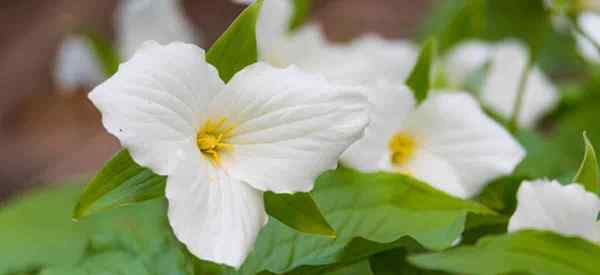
{"points": [[50, 133]]}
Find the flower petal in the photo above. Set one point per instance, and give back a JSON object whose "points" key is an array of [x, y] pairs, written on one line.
{"points": [[465, 59], [159, 20], [155, 101], [453, 128], [548, 205], [291, 126], [590, 24], [217, 217], [391, 104], [76, 65], [501, 86], [272, 24]]}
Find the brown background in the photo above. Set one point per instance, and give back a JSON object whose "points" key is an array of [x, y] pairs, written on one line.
{"points": [[48, 135]]}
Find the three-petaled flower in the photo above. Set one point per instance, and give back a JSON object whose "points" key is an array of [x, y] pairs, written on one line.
{"points": [[222, 145]]}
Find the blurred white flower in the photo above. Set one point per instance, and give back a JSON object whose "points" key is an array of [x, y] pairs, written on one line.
{"points": [[163, 21], [447, 141], [590, 24], [507, 61], [564, 209], [76, 65], [222, 145], [361, 61]]}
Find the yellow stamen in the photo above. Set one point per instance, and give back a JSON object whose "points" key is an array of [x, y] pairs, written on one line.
{"points": [[211, 139], [401, 147]]}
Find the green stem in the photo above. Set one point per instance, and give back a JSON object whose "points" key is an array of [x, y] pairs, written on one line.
{"points": [[513, 125], [577, 28]]}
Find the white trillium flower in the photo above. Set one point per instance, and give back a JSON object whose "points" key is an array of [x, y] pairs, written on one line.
{"points": [[446, 141], [160, 20], [500, 87], [565, 209], [590, 24], [223, 145], [76, 65]]}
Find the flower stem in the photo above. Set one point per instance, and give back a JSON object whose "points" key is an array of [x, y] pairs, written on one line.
{"points": [[513, 125], [577, 28]]}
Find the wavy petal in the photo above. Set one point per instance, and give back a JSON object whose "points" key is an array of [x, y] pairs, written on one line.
{"points": [[272, 24], [217, 217], [390, 105], [156, 100], [453, 128], [548, 205], [291, 126]]}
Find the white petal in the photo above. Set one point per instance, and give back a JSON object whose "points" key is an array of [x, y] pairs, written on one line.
{"points": [[76, 65], [453, 128], [501, 87], [590, 24], [272, 24], [217, 217], [304, 48], [159, 20], [548, 205], [156, 101], [465, 59], [390, 105], [291, 126]]}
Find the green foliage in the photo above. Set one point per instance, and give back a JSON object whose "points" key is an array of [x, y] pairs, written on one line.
{"points": [[533, 252], [420, 78], [298, 211], [369, 212], [393, 262], [107, 55], [120, 182], [236, 48], [587, 175], [301, 13]]}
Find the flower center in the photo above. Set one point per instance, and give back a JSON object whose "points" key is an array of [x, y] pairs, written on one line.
{"points": [[402, 146], [212, 139]]}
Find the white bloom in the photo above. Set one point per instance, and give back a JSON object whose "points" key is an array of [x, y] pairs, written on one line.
{"points": [[76, 65], [222, 145], [447, 141], [361, 61], [564, 209], [590, 24], [500, 88], [163, 21]]}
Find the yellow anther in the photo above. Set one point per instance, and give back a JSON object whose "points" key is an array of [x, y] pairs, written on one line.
{"points": [[401, 147], [211, 139]]}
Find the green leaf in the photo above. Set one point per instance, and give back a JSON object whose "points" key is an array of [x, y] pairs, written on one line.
{"points": [[393, 262], [368, 212], [299, 212], [39, 237], [236, 48], [300, 15], [120, 182], [103, 50], [533, 252], [420, 77], [587, 175]]}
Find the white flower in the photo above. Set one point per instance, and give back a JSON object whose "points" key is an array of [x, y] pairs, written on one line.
{"points": [[222, 145], [76, 65], [564, 209], [447, 141], [163, 21], [500, 87], [590, 24], [361, 61]]}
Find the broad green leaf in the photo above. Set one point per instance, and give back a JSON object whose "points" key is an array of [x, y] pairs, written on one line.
{"points": [[420, 77], [120, 182], [236, 48], [358, 268], [371, 209], [533, 252], [393, 262], [587, 175], [301, 13], [299, 212], [103, 50], [39, 237]]}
